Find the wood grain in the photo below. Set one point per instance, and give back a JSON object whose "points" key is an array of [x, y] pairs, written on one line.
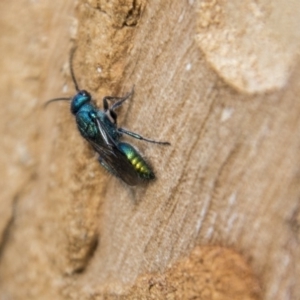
{"points": [[229, 181]]}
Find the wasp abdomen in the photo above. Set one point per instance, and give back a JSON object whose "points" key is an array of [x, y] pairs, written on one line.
{"points": [[136, 160]]}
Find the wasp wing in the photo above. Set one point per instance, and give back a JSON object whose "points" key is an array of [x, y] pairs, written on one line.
{"points": [[112, 158]]}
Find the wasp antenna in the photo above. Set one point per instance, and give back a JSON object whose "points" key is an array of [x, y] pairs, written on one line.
{"points": [[56, 99], [71, 68]]}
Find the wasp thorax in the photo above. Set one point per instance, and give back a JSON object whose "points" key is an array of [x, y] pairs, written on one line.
{"points": [[81, 98]]}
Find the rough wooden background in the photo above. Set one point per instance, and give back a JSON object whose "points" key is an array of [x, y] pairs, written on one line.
{"points": [[218, 80]]}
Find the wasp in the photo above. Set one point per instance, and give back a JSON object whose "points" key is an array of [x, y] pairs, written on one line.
{"points": [[99, 128]]}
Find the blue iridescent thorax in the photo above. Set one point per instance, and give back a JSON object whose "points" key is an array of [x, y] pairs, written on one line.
{"points": [[86, 114], [85, 122]]}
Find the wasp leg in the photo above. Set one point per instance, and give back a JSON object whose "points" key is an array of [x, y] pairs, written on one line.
{"points": [[119, 100], [110, 111], [139, 137]]}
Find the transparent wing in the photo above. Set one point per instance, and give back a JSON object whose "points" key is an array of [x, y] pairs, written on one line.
{"points": [[114, 160]]}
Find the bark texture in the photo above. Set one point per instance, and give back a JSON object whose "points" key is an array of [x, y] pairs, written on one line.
{"points": [[220, 82]]}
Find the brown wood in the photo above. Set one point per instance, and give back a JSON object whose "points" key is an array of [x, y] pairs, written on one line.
{"points": [[222, 219]]}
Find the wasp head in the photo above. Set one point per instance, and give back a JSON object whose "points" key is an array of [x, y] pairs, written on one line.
{"points": [[81, 98]]}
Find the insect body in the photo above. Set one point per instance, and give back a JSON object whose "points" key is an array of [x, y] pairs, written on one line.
{"points": [[100, 129]]}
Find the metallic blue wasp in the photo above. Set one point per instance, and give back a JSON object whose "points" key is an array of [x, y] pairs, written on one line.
{"points": [[100, 129]]}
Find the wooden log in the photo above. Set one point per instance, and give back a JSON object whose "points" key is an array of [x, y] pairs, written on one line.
{"points": [[219, 82]]}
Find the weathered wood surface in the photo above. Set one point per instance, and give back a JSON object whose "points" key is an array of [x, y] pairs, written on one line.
{"points": [[222, 219]]}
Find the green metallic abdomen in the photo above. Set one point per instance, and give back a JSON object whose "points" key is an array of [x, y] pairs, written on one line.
{"points": [[136, 160]]}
